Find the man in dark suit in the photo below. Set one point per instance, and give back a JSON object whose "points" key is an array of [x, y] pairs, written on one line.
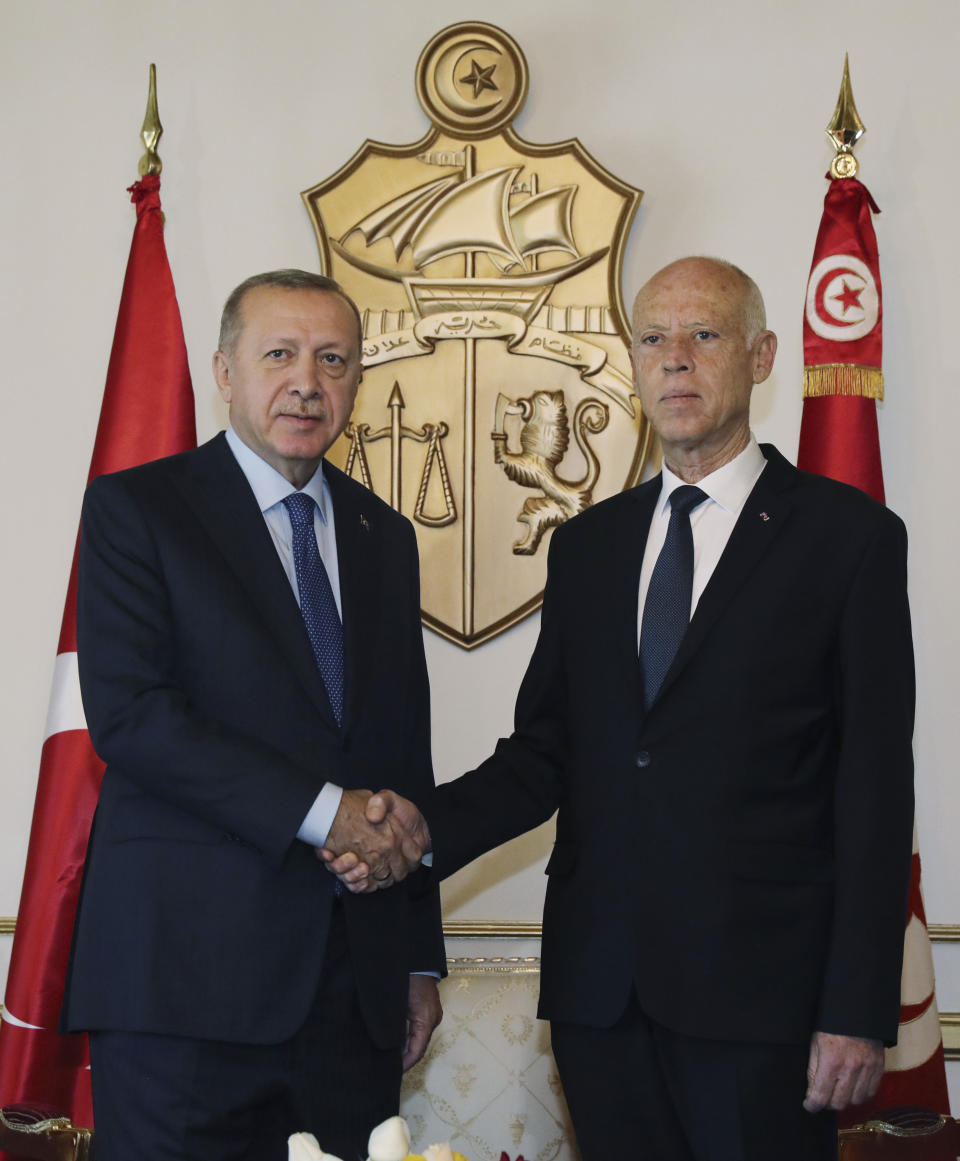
{"points": [[720, 705], [232, 992]]}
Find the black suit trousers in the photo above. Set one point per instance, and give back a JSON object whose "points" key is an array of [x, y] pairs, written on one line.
{"points": [[641, 1091], [171, 1098]]}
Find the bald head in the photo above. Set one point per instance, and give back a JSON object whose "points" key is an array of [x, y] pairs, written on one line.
{"points": [[739, 289], [699, 346]]}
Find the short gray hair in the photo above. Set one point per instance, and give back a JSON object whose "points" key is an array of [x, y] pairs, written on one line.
{"points": [[231, 321]]}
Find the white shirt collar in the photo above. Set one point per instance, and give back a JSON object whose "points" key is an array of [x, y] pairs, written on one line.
{"points": [[729, 486], [268, 485]]}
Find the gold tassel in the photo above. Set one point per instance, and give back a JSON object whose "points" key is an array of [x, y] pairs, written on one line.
{"points": [[842, 379]]}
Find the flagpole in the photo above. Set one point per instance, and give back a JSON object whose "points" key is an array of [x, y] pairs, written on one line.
{"points": [[843, 321], [151, 131], [839, 437], [147, 412], [845, 128]]}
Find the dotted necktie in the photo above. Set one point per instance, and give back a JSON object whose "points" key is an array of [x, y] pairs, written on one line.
{"points": [[317, 605], [666, 611]]}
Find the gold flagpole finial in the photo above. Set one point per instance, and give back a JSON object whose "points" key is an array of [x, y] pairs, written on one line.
{"points": [[845, 128], [151, 131]]}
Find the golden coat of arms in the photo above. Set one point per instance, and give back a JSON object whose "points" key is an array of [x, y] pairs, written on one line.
{"points": [[497, 400]]}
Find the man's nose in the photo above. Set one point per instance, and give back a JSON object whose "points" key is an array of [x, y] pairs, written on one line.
{"points": [[675, 356], [305, 380]]}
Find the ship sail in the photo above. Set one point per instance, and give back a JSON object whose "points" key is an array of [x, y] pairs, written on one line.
{"points": [[471, 217], [400, 217], [545, 222], [457, 216]]}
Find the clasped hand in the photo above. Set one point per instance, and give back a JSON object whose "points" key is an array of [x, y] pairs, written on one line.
{"points": [[376, 840]]}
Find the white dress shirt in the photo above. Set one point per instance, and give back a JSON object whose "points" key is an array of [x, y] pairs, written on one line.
{"points": [[711, 521], [270, 489]]}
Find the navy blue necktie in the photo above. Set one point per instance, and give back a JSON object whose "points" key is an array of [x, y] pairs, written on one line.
{"points": [[317, 605], [666, 611]]}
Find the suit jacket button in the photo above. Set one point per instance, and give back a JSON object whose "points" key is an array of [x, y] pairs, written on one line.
{"points": [[643, 759]]}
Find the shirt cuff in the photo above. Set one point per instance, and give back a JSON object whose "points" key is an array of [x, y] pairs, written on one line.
{"points": [[316, 826]]}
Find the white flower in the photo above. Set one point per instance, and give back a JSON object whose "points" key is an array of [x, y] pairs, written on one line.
{"points": [[305, 1147], [438, 1153], [389, 1141]]}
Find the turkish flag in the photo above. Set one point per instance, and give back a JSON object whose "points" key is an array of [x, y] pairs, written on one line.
{"points": [[147, 412]]}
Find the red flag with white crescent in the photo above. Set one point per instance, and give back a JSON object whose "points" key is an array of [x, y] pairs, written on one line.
{"points": [[843, 379], [842, 324], [843, 343], [147, 412]]}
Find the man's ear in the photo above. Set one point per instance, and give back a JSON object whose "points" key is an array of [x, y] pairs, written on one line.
{"points": [[221, 372], [764, 352]]}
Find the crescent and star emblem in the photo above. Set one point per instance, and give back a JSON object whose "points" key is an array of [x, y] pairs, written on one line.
{"points": [[471, 80], [480, 78], [843, 304], [458, 65]]}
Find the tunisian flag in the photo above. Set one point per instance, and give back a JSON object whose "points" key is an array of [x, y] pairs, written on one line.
{"points": [[843, 348], [147, 413]]}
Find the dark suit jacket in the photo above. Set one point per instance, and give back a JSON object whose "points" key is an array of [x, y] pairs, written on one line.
{"points": [[201, 914], [741, 852]]}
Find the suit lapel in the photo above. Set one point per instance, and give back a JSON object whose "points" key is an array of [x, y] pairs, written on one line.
{"points": [[221, 498], [623, 586], [359, 553], [765, 515]]}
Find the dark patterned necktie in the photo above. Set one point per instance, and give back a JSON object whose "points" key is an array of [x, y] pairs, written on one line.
{"points": [[317, 605], [666, 611]]}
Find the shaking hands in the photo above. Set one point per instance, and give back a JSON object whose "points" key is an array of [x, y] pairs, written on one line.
{"points": [[376, 840]]}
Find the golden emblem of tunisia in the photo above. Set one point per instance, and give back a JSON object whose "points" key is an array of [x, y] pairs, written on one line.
{"points": [[496, 402]]}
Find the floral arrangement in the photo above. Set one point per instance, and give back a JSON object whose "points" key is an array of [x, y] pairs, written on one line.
{"points": [[388, 1142]]}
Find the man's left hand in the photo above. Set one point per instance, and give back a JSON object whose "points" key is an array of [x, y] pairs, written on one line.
{"points": [[843, 1071], [424, 1013], [411, 836]]}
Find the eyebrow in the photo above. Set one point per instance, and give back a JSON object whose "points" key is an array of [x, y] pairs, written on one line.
{"points": [[271, 341], [695, 324]]}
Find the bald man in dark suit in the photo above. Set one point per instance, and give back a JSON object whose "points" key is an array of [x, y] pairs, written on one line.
{"points": [[723, 926]]}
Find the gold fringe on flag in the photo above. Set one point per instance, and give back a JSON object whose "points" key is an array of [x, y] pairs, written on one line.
{"points": [[842, 379]]}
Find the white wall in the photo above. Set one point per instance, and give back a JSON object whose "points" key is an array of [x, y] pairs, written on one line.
{"points": [[717, 111]]}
